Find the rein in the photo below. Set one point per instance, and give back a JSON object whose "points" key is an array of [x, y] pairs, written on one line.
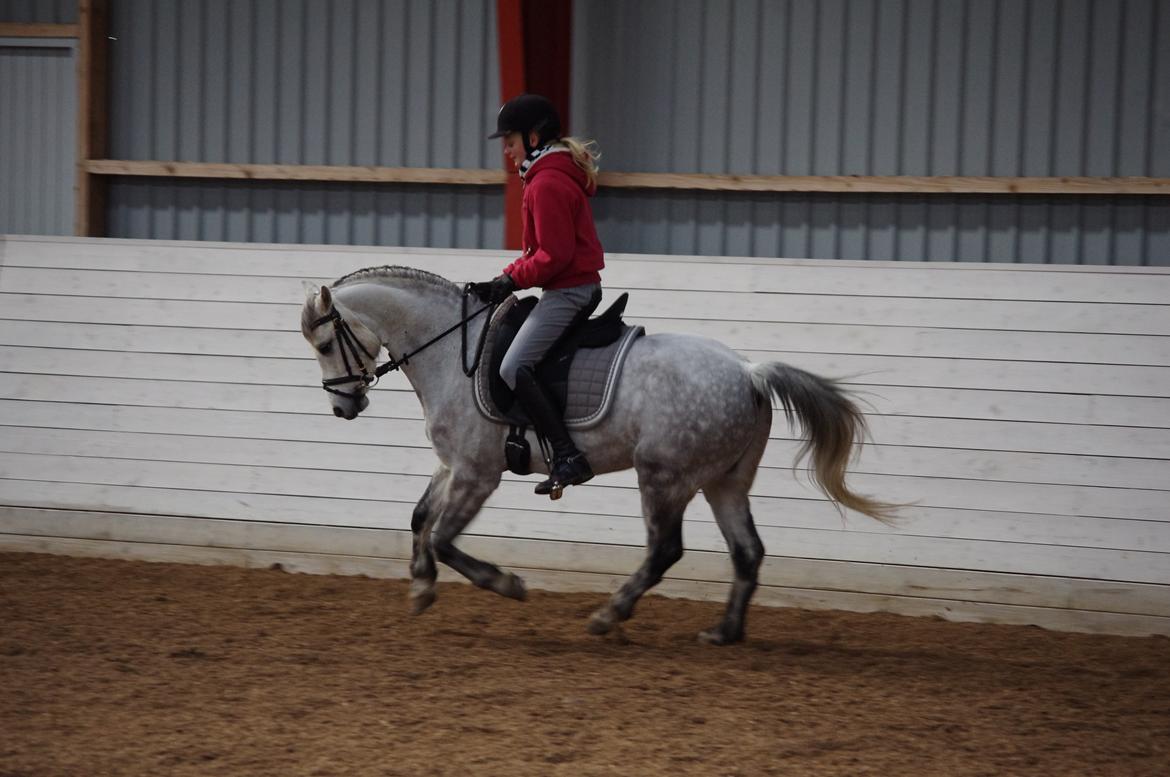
{"points": [[351, 347]]}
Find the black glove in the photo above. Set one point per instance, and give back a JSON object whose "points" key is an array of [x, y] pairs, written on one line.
{"points": [[496, 290]]}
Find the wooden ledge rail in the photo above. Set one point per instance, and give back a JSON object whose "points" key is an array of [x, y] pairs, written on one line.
{"points": [[894, 184], [19, 30], [439, 175]]}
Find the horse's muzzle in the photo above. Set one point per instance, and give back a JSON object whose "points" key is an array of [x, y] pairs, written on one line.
{"points": [[351, 410]]}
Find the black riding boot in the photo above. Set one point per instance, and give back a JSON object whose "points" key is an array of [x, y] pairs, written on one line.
{"points": [[569, 466]]}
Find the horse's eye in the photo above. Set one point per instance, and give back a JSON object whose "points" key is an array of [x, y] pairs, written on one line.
{"points": [[325, 349]]}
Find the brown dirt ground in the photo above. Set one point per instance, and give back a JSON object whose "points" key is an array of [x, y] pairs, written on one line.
{"points": [[130, 668]]}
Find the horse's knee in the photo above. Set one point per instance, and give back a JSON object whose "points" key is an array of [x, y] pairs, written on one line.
{"points": [[442, 546], [748, 554], [670, 550], [419, 517]]}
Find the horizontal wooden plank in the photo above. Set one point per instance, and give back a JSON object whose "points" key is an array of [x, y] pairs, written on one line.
{"points": [[1062, 283], [34, 30], [1034, 377], [938, 342], [1032, 590], [1107, 441], [317, 563], [68, 243], [1002, 466], [1004, 511], [889, 184], [401, 402], [827, 543], [262, 319], [284, 317], [1091, 317], [260, 172], [1046, 347]]}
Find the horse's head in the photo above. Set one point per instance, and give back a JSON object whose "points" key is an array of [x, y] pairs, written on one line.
{"points": [[346, 349]]}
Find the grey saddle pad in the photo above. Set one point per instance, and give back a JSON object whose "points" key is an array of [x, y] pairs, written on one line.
{"points": [[593, 378]]}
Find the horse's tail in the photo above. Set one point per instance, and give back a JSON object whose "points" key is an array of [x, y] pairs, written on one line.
{"points": [[833, 426]]}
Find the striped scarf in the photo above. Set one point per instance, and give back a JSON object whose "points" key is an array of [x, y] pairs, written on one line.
{"points": [[537, 153]]}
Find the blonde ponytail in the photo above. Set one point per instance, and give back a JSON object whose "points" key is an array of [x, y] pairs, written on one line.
{"points": [[585, 154]]}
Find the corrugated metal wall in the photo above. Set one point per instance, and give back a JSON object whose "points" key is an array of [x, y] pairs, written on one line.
{"points": [[1079, 229], [900, 87], [39, 11], [802, 87], [306, 212], [38, 138], [349, 82]]}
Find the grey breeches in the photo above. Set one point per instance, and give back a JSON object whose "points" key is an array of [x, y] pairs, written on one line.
{"points": [[544, 326]]}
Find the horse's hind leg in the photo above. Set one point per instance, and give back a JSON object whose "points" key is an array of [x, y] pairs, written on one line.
{"points": [[664, 499], [729, 501]]}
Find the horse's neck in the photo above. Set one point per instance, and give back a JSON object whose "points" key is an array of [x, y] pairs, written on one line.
{"points": [[404, 320]]}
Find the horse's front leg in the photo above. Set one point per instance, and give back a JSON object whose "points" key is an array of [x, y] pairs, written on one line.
{"points": [[422, 561], [462, 499]]}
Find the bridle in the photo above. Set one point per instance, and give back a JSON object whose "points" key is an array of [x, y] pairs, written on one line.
{"points": [[352, 349]]}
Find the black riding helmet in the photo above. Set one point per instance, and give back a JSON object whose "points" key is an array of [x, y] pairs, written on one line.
{"points": [[528, 113]]}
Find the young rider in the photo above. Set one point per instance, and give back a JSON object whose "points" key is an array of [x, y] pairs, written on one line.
{"points": [[561, 255]]}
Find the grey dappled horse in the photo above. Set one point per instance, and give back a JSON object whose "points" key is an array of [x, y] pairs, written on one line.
{"points": [[689, 414]]}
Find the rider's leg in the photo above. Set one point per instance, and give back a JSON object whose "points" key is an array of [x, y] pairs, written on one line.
{"points": [[544, 326], [539, 333], [569, 467]]}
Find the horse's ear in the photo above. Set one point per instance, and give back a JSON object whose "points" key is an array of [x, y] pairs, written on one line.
{"points": [[326, 299]]}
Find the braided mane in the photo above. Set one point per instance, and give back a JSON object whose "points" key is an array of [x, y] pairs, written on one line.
{"points": [[393, 273]]}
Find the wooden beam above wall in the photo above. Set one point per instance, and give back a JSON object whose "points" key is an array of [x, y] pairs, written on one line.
{"points": [[428, 175], [892, 184], [19, 30], [849, 184], [89, 219]]}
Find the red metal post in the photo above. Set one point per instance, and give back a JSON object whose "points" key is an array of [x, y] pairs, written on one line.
{"points": [[535, 56]]}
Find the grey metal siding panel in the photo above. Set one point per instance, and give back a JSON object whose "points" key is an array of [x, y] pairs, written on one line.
{"points": [[396, 83], [39, 11], [901, 87], [852, 87], [37, 136], [335, 214], [887, 227]]}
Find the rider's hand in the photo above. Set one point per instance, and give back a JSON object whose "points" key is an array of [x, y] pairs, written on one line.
{"points": [[496, 290]]}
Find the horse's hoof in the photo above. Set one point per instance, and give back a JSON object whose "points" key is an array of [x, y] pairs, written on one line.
{"points": [[422, 596], [718, 637], [511, 586], [600, 622]]}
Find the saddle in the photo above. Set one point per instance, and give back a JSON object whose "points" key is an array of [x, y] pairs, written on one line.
{"points": [[580, 371]]}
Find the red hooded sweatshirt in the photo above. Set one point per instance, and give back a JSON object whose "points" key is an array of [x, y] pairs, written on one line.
{"points": [[561, 249]]}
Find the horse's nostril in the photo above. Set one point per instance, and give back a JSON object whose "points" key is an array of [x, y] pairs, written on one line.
{"points": [[337, 412]]}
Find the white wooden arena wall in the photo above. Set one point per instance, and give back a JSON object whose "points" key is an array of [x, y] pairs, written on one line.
{"points": [[157, 402]]}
